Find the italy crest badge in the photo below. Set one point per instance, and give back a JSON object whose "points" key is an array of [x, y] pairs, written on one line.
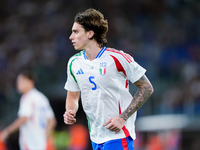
{"points": [[102, 68]]}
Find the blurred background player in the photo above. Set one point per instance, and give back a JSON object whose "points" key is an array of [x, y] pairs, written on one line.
{"points": [[102, 75], [36, 118]]}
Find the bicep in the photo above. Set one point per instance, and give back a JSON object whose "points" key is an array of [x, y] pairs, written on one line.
{"points": [[21, 120], [72, 100], [144, 82], [73, 95]]}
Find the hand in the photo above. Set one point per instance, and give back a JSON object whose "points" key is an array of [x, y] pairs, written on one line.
{"points": [[115, 124], [4, 135], [69, 117]]}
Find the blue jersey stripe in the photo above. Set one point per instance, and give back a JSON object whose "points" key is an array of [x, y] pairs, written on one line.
{"points": [[99, 54], [85, 56]]}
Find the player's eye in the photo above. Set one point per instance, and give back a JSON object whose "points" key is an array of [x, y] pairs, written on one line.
{"points": [[75, 31]]}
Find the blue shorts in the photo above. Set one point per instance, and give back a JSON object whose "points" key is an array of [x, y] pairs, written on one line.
{"points": [[119, 144]]}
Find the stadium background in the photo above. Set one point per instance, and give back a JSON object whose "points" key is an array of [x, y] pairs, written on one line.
{"points": [[162, 35]]}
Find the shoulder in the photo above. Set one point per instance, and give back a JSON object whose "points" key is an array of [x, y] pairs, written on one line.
{"points": [[75, 57], [38, 95], [119, 54]]}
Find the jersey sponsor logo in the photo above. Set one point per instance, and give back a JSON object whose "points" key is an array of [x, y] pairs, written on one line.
{"points": [[102, 68], [80, 71]]}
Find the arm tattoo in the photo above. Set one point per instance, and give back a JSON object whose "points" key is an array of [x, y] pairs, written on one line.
{"points": [[145, 89]]}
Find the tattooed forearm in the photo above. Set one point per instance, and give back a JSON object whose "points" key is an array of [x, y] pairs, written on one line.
{"points": [[145, 89]]}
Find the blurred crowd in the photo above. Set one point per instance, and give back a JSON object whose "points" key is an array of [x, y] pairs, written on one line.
{"points": [[162, 35]]}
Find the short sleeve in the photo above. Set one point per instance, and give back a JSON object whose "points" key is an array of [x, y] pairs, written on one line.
{"points": [[133, 70], [25, 108], [50, 113], [71, 83]]}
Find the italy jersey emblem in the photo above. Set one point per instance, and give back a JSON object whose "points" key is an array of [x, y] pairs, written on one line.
{"points": [[102, 68]]}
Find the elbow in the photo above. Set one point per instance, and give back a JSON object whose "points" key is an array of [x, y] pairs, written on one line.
{"points": [[151, 89], [54, 123]]}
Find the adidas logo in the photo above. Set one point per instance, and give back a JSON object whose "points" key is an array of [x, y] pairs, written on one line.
{"points": [[80, 71]]}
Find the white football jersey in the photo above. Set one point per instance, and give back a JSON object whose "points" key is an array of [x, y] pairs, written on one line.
{"points": [[35, 106], [103, 83]]}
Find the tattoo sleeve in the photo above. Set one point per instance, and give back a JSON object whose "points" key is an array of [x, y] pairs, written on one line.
{"points": [[145, 90]]}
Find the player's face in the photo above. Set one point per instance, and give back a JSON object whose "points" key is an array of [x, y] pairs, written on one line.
{"points": [[22, 83], [79, 37]]}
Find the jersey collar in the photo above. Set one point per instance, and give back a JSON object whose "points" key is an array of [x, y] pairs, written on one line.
{"points": [[98, 55]]}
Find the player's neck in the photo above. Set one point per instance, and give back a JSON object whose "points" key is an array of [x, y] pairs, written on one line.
{"points": [[28, 89], [92, 51]]}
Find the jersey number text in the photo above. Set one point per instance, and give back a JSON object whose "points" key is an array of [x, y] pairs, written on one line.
{"points": [[90, 79]]}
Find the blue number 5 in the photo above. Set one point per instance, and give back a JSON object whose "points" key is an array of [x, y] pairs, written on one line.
{"points": [[90, 79]]}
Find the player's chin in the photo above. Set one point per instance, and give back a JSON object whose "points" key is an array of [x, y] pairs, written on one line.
{"points": [[77, 48]]}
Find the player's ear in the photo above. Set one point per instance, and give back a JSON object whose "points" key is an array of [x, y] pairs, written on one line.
{"points": [[90, 34]]}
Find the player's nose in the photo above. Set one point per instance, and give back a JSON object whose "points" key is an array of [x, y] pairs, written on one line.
{"points": [[71, 37]]}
